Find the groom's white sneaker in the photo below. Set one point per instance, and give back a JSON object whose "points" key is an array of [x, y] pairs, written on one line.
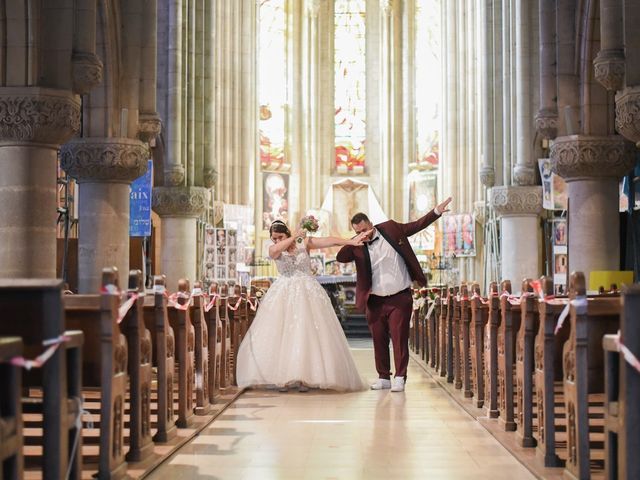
{"points": [[381, 384], [398, 384]]}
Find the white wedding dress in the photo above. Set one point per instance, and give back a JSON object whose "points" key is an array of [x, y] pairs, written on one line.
{"points": [[296, 336]]}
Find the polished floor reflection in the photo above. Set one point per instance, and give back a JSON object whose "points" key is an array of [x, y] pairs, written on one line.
{"points": [[421, 433]]}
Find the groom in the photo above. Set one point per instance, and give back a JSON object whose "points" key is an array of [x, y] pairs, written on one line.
{"points": [[386, 267]]}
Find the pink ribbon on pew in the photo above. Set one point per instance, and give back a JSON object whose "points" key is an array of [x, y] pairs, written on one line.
{"points": [[579, 303], [237, 305], [161, 289], [110, 288], [196, 292], [40, 360], [479, 297], [253, 306], [431, 307], [126, 306], [211, 303], [626, 353]]}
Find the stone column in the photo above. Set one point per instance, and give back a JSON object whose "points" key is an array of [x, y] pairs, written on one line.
{"points": [[592, 167], [518, 209], [609, 64], [34, 122], [179, 208], [487, 172], [547, 117], [104, 169]]}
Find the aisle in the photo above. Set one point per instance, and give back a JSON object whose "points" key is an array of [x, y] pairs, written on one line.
{"points": [[422, 434]]}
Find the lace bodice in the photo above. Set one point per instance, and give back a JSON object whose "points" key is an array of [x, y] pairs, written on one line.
{"points": [[296, 263]]}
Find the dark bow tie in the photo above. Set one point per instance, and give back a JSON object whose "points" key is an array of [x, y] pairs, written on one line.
{"points": [[373, 240]]}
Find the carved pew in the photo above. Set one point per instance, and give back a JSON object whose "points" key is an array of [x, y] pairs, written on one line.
{"points": [[465, 340], [583, 368], [548, 370], [226, 379], [509, 325], [450, 337], [529, 325], [479, 318], [622, 394], [214, 324], [414, 330], [140, 360], [11, 457], [434, 332], [156, 318], [32, 309], [444, 331], [492, 393], [104, 366], [180, 321], [457, 339], [201, 350], [253, 306]]}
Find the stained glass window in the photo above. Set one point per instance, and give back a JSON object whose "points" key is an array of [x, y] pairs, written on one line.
{"points": [[428, 83], [350, 81], [272, 87]]}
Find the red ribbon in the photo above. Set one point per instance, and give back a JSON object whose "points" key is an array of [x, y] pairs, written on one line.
{"points": [[237, 305], [126, 306], [40, 360]]}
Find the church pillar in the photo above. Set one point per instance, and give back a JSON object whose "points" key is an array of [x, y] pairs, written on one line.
{"points": [[628, 99], [179, 208], [518, 209], [487, 171], [104, 169], [546, 120], [35, 121], [592, 167]]}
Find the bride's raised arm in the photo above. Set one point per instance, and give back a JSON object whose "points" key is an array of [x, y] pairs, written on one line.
{"points": [[325, 242], [277, 248]]}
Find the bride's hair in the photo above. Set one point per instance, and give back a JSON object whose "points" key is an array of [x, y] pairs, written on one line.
{"points": [[279, 226]]}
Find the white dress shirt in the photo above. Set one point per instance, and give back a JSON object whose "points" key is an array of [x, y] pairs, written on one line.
{"points": [[389, 274]]}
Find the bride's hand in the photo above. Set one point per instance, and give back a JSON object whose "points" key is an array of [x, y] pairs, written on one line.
{"points": [[359, 239], [300, 233]]}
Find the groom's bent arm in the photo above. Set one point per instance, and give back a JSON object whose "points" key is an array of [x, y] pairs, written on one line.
{"points": [[345, 255], [412, 228]]}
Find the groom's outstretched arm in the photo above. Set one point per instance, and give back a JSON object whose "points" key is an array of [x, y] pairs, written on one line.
{"points": [[412, 228], [346, 255]]}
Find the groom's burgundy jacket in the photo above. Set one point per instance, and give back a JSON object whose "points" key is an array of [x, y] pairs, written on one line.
{"points": [[397, 235]]}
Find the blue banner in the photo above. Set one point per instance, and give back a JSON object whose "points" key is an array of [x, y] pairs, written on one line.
{"points": [[140, 204]]}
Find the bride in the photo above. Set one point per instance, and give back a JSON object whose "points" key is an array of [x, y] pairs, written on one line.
{"points": [[296, 338]]}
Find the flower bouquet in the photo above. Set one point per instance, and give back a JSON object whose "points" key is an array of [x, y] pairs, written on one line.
{"points": [[310, 224]]}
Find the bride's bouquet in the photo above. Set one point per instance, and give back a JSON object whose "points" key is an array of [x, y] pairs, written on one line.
{"points": [[310, 224]]}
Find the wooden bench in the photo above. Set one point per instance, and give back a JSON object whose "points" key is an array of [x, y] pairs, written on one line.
{"points": [[507, 332], [12, 442], [105, 366], [180, 321], [32, 309], [434, 331], [237, 317], [156, 318], [212, 317], [450, 336], [465, 341], [479, 320], [457, 339], [583, 370], [622, 393], [492, 390], [224, 337], [201, 350], [525, 345]]}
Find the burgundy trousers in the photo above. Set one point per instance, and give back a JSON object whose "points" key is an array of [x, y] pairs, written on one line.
{"points": [[389, 317]]}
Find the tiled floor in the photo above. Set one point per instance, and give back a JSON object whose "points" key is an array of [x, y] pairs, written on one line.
{"points": [[421, 433]]}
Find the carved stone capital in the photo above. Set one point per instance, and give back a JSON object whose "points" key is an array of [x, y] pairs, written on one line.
{"points": [[479, 211], [312, 8], [180, 201], [87, 72], [547, 124], [110, 160], [174, 176], [210, 177], [580, 156], [149, 126], [487, 176], [386, 6], [609, 67], [524, 175], [516, 201], [38, 115], [628, 113]]}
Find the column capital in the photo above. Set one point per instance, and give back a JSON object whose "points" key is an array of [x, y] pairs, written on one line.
{"points": [[108, 160], [576, 157], [180, 201], [547, 123], [609, 68], [516, 201], [487, 176], [38, 115], [386, 6], [149, 126], [312, 8], [628, 113], [524, 175], [87, 72]]}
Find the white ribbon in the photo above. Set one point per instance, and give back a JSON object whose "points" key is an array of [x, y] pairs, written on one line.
{"points": [[579, 303]]}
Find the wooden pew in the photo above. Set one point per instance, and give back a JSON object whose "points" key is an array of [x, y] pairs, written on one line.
{"points": [[212, 316], [465, 340], [479, 319], [622, 394], [583, 368], [201, 350], [434, 332], [236, 314], [450, 337], [525, 344], [140, 354], [492, 393], [180, 321], [414, 331], [457, 339], [548, 371], [226, 378], [253, 305], [444, 330], [509, 325], [12, 442], [156, 317], [104, 366], [33, 310]]}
